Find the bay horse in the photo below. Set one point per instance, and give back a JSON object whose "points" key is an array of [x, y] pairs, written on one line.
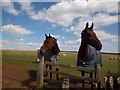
{"points": [[89, 54], [50, 51]]}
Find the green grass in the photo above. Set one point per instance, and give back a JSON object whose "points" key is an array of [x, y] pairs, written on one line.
{"points": [[25, 59], [15, 54]]}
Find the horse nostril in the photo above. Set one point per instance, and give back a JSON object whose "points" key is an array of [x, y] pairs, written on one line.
{"points": [[100, 45], [41, 52]]}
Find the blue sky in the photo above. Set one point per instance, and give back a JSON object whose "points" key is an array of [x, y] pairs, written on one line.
{"points": [[25, 23]]}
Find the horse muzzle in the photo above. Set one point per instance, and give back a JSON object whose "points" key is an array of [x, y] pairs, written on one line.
{"points": [[42, 52], [39, 52], [99, 46]]}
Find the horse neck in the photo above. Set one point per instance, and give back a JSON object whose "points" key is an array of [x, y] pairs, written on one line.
{"points": [[84, 51], [48, 54]]}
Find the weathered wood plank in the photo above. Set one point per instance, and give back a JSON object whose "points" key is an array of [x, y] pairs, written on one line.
{"points": [[71, 75], [40, 71], [98, 77], [89, 70], [98, 73]]}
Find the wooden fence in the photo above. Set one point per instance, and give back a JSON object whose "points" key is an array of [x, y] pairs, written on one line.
{"points": [[92, 79]]}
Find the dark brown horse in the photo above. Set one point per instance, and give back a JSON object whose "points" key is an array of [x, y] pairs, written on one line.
{"points": [[50, 51], [50, 44], [89, 52]]}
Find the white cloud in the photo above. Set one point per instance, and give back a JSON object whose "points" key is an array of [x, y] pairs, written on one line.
{"points": [[15, 30], [103, 19], [3, 42], [55, 36], [69, 45], [9, 7], [34, 44], [65, 12], [61, 13], [100, 19], [19, 45], [21, 39], [116, 39], [73, 42], [27, 7], [106, 44], [104, 35]]}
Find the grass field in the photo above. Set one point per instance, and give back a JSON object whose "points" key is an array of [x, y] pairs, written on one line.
{"points": [[25, 59]]}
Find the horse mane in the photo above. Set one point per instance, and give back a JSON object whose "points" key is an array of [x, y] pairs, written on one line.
{"points": [[56, 49]]}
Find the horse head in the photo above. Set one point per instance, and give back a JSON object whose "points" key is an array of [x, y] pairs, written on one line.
{"points": [[50, 44], [89, 37]]}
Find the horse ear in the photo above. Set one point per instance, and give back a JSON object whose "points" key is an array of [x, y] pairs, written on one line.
{"points": [[49, 36], [86, 25], [45, 35], [91, 27]]}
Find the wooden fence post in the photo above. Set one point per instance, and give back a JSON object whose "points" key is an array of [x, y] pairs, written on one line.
{"points": [[40, 71], [98, 77], [91, 76], [65, 84]]}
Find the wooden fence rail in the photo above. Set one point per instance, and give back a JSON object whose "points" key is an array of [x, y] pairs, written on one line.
{"points": [[89, 70], [41, 70]]}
